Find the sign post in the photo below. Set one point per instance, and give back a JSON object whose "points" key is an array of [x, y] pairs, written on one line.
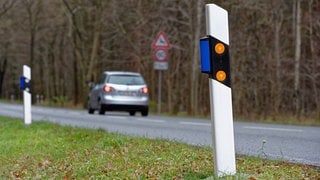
{"points": [[25, 85], [214, 56], [160, 54]]}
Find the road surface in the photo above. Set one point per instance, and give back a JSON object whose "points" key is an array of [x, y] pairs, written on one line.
{"points": [[299, 144]]}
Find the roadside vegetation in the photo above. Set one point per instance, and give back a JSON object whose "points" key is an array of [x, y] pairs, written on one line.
{"points": [[44, 150]]}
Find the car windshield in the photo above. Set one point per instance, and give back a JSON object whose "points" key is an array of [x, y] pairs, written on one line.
{"points": [[126, 80]]}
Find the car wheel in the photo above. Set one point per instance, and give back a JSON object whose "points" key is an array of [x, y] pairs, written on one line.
{"points": [[145, 112], [132, 113], [102, 110], [90, 110]]}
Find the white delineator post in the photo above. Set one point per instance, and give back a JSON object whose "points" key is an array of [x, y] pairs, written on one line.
{"points": [[221, 99], [27, 95]]}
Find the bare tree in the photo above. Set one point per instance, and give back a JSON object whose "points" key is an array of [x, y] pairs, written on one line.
{"points": [[194, 93], [297, 55], [69, 42], [5, 7]]}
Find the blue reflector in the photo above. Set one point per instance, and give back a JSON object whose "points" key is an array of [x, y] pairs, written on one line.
{"points": [[22, 82], [205, 55]]}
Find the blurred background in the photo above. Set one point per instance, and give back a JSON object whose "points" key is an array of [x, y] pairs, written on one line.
{"points": [[274, 46]]}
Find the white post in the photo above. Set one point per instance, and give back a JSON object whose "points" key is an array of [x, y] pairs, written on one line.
{"points": [[27, 96], [222, 128], [221, 100]]}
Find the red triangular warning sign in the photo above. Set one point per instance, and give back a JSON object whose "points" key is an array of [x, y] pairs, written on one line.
{"points": [[161, 41]]}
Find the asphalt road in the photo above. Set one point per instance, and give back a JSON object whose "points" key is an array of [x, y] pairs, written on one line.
{"points": [[299, 144]]}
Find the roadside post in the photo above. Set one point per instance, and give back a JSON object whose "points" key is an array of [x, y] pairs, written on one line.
{"points": [[214, 57], [25, 85], [160, 54]]}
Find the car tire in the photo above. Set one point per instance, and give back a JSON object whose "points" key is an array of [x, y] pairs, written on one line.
{"points": [[90, 110], [145, 112], [102, 110], [132, 113]]}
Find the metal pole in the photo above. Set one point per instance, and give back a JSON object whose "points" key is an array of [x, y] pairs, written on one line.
{"points": [[159, 91]]}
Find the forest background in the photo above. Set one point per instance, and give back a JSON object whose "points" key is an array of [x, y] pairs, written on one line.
{"points": [[274, 48]]}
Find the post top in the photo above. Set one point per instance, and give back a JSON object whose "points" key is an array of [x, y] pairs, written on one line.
{"points": [[26, 72], [217, 22]]}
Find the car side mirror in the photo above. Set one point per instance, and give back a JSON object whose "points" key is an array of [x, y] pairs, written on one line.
{"points": [[91, 85]]}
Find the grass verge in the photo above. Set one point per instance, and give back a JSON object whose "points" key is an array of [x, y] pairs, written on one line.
{"points": [[49, 151]]}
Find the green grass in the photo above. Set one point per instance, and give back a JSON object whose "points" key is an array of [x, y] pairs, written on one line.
{"points": [[49, 151]]}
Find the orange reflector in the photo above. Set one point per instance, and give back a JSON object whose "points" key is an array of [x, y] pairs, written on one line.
{"points": [[219, 48], [221, 75]]}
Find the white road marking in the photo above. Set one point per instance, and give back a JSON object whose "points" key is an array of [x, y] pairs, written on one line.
{"points": [[150, 120], [71, 112], [195, 123], [272, 129], [117, 117]]}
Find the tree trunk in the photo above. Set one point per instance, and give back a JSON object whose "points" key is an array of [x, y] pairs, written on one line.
{"points": [[3, 69], [314, 70], [92, 74], [195, 64], [278, 85], [297, 56]]}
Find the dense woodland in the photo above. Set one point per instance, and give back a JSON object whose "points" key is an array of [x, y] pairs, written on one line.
{"points": [[274, 46]]}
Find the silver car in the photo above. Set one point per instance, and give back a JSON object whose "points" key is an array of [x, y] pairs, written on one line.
{"points": [[119, 91]]}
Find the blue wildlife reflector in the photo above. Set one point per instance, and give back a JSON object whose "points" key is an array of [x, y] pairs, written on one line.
{"points": [[22, 82], [205, 55]]}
